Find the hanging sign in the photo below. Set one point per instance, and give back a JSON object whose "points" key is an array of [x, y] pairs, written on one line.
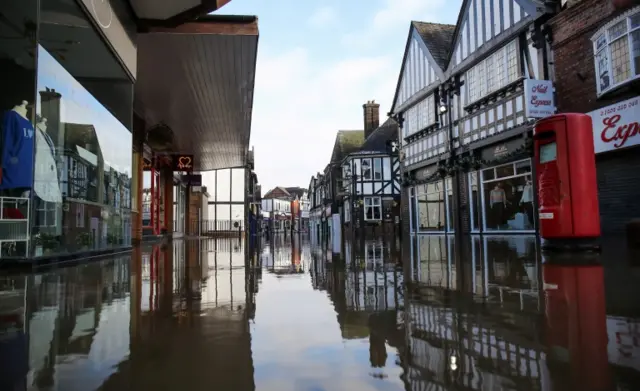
{"points": [[538, 98], [192, 179], [147, 165], [182, 162]]}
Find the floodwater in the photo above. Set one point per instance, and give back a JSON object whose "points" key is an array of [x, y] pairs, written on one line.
{"points": [[289, 314]]}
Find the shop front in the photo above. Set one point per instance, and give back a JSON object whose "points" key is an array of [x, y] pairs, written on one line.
{"points": [[616, 138], [67, 174], [431, 202], [501, 194]]}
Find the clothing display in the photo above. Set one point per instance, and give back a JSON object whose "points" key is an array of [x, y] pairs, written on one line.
{"points": [[527, 202], [17, 151], [497, 203]]}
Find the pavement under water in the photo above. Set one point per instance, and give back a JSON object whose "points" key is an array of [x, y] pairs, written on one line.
{"points": [[490, 313]]}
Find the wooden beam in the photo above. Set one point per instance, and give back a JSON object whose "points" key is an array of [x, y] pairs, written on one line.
{"points": [[210, 27]]}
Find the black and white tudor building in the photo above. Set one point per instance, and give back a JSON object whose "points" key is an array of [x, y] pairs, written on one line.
{"points": [[465, 125], [371, 179]]}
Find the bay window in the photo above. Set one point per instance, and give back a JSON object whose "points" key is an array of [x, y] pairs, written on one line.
{"points": [[616, 49], [372, 208]]}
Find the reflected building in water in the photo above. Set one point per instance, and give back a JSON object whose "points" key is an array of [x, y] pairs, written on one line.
{"points": [[132, 324]]}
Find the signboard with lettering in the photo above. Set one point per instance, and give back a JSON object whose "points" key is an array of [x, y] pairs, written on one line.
{"points": [[502, 149], [616, 126], [147, 165], [425, 173], [192, 179], [182, 163], [538, 98]]}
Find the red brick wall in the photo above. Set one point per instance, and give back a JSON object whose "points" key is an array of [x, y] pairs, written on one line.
{"points": [[573, 56]]}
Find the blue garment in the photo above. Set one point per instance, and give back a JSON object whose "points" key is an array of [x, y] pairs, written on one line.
{"points": [[17, 151]]}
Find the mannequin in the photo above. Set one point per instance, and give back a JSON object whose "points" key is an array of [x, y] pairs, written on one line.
{"points": [[17, 152], [498, 202], [527, 201]]}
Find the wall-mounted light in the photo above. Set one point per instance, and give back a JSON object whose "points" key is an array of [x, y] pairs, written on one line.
{"points": [[443, 109]]}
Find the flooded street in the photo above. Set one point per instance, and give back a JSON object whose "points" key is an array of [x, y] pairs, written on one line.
{"points": [[294, 314]]}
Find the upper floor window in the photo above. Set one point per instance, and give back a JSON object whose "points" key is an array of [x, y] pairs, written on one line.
{"points": [[493, 73], [366, 169], [419, 116], [616, 50]]}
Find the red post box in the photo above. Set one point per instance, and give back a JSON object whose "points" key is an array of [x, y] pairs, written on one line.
{"points": [[566, 177], [576, 326]]}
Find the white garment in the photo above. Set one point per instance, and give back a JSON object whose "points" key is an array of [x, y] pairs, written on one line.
{"points": [[45, 182], [527, 194]]}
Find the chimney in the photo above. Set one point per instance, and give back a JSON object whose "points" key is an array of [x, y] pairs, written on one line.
{"points": [[371, 117]]}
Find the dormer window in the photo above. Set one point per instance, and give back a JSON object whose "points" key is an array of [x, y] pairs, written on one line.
{"points": [[616, 48]]}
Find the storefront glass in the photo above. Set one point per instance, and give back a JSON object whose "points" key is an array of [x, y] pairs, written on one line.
{"points": [[434, 213], [476, 206], [508, 197], [82, 178], [18, 73], [179, 204]]}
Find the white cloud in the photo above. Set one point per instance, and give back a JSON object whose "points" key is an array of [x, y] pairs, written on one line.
{"points": [[323, 16], [304, 103], [396, 14]]}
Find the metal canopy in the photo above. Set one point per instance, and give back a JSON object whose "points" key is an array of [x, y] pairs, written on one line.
{"points": [[173, 12], [198, 80]]}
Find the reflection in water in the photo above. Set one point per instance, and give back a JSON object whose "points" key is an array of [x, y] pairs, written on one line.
{"points": [[490, 314]]}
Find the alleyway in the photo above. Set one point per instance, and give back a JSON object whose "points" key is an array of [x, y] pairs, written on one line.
{"points": [[291, 314]]}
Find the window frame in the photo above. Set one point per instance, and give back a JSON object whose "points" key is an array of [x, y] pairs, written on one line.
{"points": [[370, 169], [476, 74], [603, 32], [369, 203]]}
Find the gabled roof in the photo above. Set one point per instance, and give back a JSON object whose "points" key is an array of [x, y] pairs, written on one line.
{"points": [[347, 141], [296, 191], [438, 39], [377, 140]]}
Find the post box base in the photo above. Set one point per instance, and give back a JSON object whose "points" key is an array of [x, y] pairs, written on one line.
{"points": [[570, 245]]}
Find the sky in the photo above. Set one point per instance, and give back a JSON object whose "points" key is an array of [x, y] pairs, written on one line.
{"points": [[318, 63]]}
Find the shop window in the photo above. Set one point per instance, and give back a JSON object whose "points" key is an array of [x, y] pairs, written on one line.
{"points": [[431, 207], [450, 215], [508, 199], [476, 206], [413, 210], [18, 70], [372, 208], [237, 184], [616, 50], [95, 152]]}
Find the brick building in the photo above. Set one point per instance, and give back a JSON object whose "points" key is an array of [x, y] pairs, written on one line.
{"points": [[596, 48]]}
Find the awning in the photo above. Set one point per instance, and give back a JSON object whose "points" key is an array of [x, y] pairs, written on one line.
{"points": [[197, 79], [173, 12]]}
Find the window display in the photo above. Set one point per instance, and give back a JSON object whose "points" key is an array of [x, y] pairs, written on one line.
{"points": [[508, 197], [17, 124], [433, 207], [82, 170]]}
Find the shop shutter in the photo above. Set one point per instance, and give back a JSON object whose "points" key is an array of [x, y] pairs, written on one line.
{"points": [[618, 189]]}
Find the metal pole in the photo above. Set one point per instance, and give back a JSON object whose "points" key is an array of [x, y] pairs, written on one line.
{"points": [[457, 223]]}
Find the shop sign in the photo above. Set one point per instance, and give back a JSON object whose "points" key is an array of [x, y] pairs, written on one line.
{"points": [[538, 98], [192, 179], [500, 150], [110, 16], [616, 126], [425, 173], [147, 165], [182, 163]]}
